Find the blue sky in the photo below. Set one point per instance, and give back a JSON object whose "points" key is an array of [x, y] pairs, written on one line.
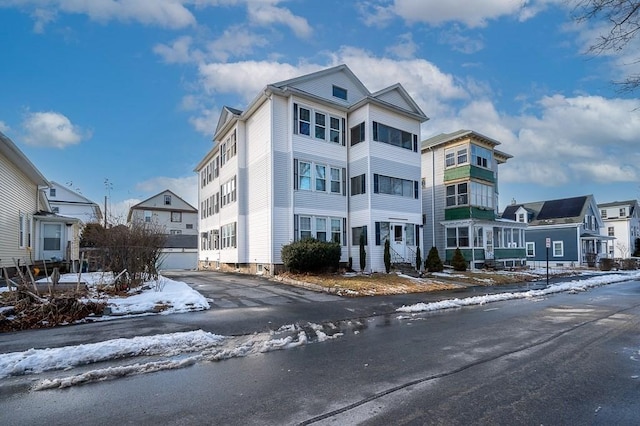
{"points": [[120, 98]]}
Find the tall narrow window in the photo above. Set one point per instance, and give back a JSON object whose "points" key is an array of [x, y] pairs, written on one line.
{"points": [[304, 175], [304, 121], [321, 126], [167, 200], [335, 131], [336, 230], [321, 178], [21, 230], [335, 180], [305, 227], [321, 229]]}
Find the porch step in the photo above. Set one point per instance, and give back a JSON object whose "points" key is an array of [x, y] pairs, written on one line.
{"points": [[406, 269]]}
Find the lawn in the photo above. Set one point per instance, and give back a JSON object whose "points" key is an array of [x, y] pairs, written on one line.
{"points": [[353, 284]]}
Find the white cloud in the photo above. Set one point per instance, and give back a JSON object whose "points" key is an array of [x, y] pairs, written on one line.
{"points": [[236, 41], [262, 13], [470, 13], [184, 187], [4, 127], [206, 121], [460, 42], [51, 129], [405, 48], [178, 52], [163, 13]]}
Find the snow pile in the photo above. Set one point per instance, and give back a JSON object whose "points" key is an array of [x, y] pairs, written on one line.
{"points": [[174, 297], [572, 286], [40, 360]]}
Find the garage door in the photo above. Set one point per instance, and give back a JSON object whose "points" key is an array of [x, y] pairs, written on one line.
{"points": [[178, 260]]}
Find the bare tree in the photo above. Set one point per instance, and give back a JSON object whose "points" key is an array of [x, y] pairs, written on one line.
{"points": [[623, 20], [623, 248]]}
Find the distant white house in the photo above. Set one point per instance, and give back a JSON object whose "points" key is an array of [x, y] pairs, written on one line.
{"points": [[315, 156], [176, 218], [29, 231], [66, 202], [621, 219]]}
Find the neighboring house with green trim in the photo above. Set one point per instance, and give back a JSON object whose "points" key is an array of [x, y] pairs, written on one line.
{"points": [[460, 201]]}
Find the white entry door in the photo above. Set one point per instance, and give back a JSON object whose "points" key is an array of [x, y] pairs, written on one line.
{"points": [[52, 241], [397, 239], [488, 241]]}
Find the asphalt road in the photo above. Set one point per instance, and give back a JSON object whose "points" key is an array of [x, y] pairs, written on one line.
{"points": [[565, 359]]}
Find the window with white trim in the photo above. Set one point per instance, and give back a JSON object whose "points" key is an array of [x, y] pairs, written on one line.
{"points": [[322, 228], [458, 237], [147, 215], [228, 235], [623, 212], [176, 216], [228, 191], [531, 249], [611, 231], [325, 127], [455, 156], [558, 248], [603, 213], [457, 195], [167, 200], [340, 92], [175, 231], [310, 176], [482, 195]]}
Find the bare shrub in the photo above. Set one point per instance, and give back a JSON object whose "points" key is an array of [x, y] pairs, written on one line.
{"points": [[135, 249]]}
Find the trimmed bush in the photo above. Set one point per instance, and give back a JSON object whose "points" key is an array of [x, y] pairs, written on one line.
{"points": [[433, 262], [606, 264], [418, 259], [387, 255], [311, 255], [628, 264], [458, 262]]}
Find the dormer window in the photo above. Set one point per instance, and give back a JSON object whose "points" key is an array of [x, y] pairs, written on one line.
{"points": [[52, 192], [521, 218], [340, 92]]}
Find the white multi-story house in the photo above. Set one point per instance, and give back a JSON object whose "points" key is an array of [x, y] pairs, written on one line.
{"points": [[460, 201], [177, 219], [315, 156], [621, 219], [172, 214], [66, 202]]}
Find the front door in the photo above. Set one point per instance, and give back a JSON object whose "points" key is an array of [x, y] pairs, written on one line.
{"points": [[488, 248], [52, 241], [397, 239]]}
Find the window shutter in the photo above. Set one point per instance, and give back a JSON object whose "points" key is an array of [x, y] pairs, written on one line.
{"points": [[344, 181], [295, 174], [295, 119], [375, 183], [344, 132], [295, 227], [363, 184], [416, 190], [366, 237], [418, 235], [415, 143], [375, 131], [377, 233], [344, 231], [362, 132]]}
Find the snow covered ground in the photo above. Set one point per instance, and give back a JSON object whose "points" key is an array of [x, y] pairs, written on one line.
{"points": [[177, 350]]}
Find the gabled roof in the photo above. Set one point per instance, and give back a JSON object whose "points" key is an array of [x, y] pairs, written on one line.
{"points": [[11, 151], [444, 138], [322, 73], [64, 188], [227, 114], [143, 205], [553, 212]]}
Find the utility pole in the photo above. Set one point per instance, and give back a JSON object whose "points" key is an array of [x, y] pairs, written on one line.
{"points": [[108, 186]]}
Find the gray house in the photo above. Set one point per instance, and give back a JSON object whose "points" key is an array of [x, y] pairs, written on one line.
{"points": [[568, 229]]}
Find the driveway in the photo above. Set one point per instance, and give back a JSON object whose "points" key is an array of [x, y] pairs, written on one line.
{"points": [[228, 290]]}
